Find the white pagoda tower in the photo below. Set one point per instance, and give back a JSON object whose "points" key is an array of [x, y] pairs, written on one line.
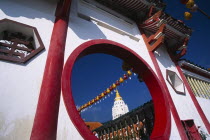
{"points": [[119, 108]]}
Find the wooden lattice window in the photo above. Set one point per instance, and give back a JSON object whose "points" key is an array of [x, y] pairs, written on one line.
{"points": [[18, 42]]}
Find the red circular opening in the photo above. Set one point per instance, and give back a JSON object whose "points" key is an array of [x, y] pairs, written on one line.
{"points": [[162, 124]]}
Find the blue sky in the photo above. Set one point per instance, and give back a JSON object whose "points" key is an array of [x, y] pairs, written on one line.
{"points": [[94, 73], [199, 44]]}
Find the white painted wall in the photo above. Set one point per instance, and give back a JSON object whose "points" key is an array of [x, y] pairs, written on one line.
{"points": [[20, 84], [183, 103], [174, 130], [81, 30], [204, 103], [66, 129]]}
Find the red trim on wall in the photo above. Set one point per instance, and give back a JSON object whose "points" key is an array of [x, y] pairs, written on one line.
{"points": [[162, 124], [197, 105], [170, 101], [45, 122]]}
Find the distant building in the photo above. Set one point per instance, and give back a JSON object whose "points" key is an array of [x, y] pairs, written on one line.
{"points": [[136, 124], [93, 125], [119, 108]]}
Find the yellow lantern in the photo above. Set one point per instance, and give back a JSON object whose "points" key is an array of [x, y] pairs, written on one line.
{"points": [[129, 73], [121, 80], [190, 4], [107, 90], [187, 15], [102, 94], [97, 98], [92, 101], [89, 103], [114, 86]]}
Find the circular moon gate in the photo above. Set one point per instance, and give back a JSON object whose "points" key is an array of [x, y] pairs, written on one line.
{"points": [[162, 122]]}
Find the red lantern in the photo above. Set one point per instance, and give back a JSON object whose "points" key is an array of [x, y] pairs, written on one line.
{"points": [[125, 77], [117, 83], [99, 96], [110, 88], [105, 93], [183, 1]]}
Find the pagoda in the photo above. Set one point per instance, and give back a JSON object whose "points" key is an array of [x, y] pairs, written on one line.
{"points": [[119, 108]]}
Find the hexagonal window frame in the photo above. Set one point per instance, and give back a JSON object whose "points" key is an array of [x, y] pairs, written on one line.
{"points": [[175, 81], [19, 42]]}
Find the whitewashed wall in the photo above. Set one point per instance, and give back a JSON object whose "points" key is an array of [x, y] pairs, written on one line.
{"points": [[20, 87], [81, 30], [174, 130], [102, 25], [204, 103], [183, 103], [20, 84]]}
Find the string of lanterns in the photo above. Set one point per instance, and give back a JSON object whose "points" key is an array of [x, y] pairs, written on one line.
{"points": [[106, 92], [190, 4]]}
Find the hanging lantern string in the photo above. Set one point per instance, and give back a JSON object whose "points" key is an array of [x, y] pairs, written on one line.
{"points": [[106, 92]]}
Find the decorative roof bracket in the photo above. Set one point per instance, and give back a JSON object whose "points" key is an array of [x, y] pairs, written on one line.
{"points": [[182, 48], [157, 39]]}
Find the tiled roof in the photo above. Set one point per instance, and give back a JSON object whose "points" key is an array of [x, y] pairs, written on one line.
{"points": [[134, 9], [93, 125], [190, 66]]}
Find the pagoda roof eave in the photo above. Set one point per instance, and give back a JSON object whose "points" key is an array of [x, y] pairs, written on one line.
{"points": [[184, 64], [132, 9], [175, 26]]}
